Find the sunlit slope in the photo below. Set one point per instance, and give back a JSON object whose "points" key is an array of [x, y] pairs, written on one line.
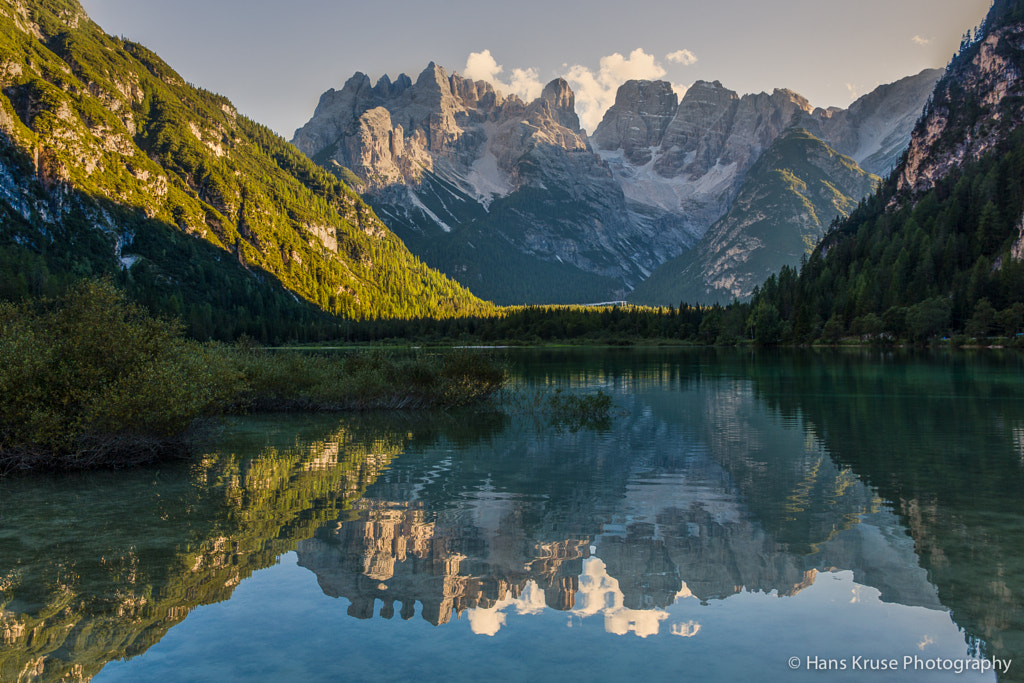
{"points": [[108, 158]]}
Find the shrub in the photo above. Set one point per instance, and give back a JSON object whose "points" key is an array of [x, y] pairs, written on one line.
{"points": [[89, 378]]}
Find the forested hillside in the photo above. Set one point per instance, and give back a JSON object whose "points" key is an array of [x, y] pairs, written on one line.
{"points": [[111, 164], [938, 249]]}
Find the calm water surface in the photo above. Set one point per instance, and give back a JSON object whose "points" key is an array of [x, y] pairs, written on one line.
{"points": [[741, 514]]}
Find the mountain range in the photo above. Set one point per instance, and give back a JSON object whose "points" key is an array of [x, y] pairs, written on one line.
{"points": [[418, 197], [516, 202], [504, 196]]}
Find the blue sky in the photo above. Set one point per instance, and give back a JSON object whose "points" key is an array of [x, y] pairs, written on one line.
{"points": [[274, 59]]}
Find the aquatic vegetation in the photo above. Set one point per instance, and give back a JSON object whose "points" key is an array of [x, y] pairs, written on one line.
{"points": [[560, 408], [363, 380]]}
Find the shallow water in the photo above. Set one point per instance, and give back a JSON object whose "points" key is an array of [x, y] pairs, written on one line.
{"points": [[741, 513]]}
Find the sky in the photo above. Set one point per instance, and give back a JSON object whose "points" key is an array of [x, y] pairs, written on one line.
{"points": [[273, 59]]}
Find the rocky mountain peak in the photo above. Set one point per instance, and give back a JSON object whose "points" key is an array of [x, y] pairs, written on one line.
{"points": [[433, 94], [433, 77], [358, 81], [690, 159], [785, 94], [394, 132], [638, 119], [876, 128], [700, 87], [476, 94], [386, 88], [562, 101]]}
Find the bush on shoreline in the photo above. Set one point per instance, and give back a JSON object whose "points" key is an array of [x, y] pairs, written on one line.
{"points": [[89, 380]]}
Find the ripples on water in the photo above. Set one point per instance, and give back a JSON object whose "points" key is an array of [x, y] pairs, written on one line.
{"points": [[741, 509]]}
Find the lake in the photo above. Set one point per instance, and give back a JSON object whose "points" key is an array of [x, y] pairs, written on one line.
{"points": [[774, 515]]}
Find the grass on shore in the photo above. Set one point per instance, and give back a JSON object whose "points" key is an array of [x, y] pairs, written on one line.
{"points": [[89, 380]]}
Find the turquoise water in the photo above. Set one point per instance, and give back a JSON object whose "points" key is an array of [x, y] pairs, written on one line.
{"points": [[769, 516]]}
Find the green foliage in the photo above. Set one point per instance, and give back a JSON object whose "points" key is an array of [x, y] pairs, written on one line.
{"points": [[612, 325], [90, 378], [111, 147], [981, 323], [290, 380], [764, 323], [928, 319], [939, 263], [1011, 319]]}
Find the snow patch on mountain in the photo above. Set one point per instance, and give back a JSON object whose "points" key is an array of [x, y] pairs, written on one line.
{"points": [[487, 181], [675, 195], [415, 201]]}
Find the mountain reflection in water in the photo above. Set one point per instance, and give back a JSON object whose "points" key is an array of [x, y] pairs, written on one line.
{"points": [[723, 474], [624, 541]]}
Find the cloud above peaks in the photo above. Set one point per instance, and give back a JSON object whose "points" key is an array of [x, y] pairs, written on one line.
{"points": [[595, 90], [526, 83], [921, 41], [481, 66], [684, 57]]}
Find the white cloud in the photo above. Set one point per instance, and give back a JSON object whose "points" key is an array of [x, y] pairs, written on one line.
{"points": [[684, 57], [920, 41], [481, 66], [852, 89], [595, 91], [526, 83]]}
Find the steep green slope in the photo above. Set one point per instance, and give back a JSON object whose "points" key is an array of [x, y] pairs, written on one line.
{"points": [[793, 191], [108, 159], [938, 249]]}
